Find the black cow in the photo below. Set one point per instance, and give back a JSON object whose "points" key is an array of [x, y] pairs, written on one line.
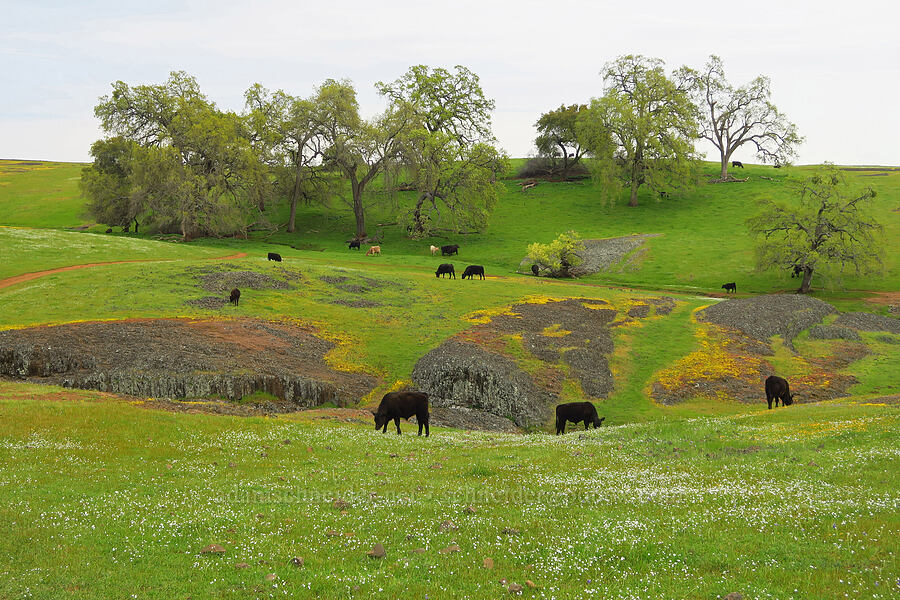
{"points": [[796, 271], [777, 166], [449, 249], [472, 270], [737, 163], [445, 269], [402, 405], [275, 256], [235, 296], [777, 388], [577, 412], [534, 270], [109, 230], [729, 287], [354, 244]]}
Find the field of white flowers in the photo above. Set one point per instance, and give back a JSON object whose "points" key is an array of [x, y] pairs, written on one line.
{"points": [[103, 499]]}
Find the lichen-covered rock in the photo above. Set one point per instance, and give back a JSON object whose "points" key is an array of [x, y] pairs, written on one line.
{"points": [[459, 374]]}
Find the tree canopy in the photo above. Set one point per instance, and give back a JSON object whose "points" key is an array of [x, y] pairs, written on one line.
{"points": [[448, 149], [828, 226], [735, 117], [642, 130], [557, 140]]}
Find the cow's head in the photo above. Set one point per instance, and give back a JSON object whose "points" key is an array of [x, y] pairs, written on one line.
{"points": [[381, 420], [598, 421], [789, 400]]}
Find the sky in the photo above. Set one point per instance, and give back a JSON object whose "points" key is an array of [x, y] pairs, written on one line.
{"points": [[834, 68]]}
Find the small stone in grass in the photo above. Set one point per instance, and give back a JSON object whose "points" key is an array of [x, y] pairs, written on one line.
{"points": [[530, 583], [515, 588], [297, 561], [242, 565], [271, 577], [734, 596], [231, 465], [213, 549], [470, 510], [419, 550], [340, 504], [450, 549], [449, 526], [332, 533], [286, 442], [377, 551], [510, 531], [437, 466], [488, 563]]}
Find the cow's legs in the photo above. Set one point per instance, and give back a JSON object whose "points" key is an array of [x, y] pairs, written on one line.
{"points": [[384, 429], [769, 400], [426, 428], [560, 426], [397, 423], [420, 425]]}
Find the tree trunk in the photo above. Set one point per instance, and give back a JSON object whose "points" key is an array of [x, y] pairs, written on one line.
{"points": [[724, 166], [293, 218], [418, 227], [634, 193], [807, 278], [358, 211]]}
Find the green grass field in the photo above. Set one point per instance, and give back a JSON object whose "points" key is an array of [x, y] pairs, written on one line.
{"points": [[101, 497]]}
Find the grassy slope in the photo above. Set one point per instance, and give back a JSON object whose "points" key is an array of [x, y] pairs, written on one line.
{"points": [[40, 194], [118, 500]]}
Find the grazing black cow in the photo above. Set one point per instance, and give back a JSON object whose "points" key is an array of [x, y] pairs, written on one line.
{"points": [[729, 287], [777, 388], [127, 228], [473, 270], [445, 269], [235, 296], [449, 249], [796, 271], [109, 230], [737, 163], [534, 270], [354, 244], [576, 412], [777, 166], [402, 405], [275, 256]]}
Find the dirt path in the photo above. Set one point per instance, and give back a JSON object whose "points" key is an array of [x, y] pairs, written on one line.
{"points": [[29, 276]]}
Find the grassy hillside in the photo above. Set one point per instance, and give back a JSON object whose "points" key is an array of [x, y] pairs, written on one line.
{"points": [[41, 194], [796, 503]]}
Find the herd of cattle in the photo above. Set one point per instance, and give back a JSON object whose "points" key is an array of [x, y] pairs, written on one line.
{"points": [[403, 405]]}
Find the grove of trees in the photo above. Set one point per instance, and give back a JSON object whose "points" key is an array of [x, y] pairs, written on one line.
{"points": [[173, 161]]}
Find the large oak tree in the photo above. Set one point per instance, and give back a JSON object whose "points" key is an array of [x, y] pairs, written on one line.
{"points": [[827, 226], [642, 130], [743, 116]]}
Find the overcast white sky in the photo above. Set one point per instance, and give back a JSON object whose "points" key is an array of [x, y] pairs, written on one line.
{"points": [[835, 68]]}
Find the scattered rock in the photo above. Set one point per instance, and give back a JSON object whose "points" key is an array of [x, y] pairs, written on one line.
{"points": [[515, 588], [419, 550], [297, 561], [734, 596], [530, 583], [377, 551], [213, 549], [242, 565], [449, 549], [488, 563], [332, 533], [510, 531], [449, 526], [340, 504], [271, 577], [470, 510]]}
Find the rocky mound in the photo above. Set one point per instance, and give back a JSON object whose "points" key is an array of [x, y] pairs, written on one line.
{"points": [[762, 317], [599, 255], [462, 375], [177, 358], [833, 332], [869, 322], [572, 338]]}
